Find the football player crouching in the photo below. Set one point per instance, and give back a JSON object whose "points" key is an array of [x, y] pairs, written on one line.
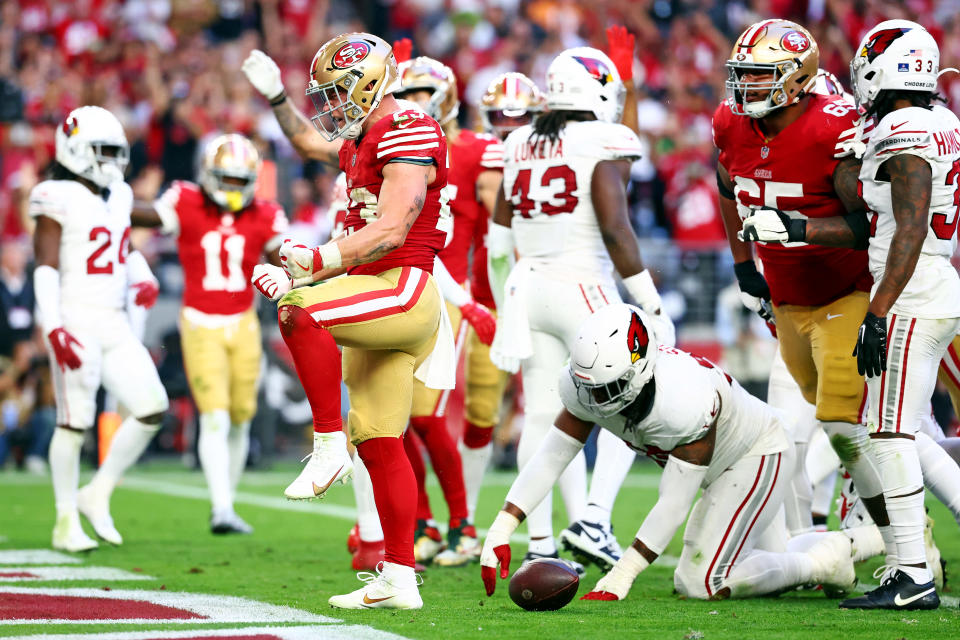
{"points": [[707, 432]]}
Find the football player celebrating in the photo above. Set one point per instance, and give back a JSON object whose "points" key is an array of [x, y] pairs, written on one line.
{"points": [[783, 145], [222, 231], [84, 269], [909, 179], [387, 311], [706, 432], [475, 174], [563, 206]]}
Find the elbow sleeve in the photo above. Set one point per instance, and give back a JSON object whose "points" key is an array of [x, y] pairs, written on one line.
{"points": [[857, 221], [725, 191]]}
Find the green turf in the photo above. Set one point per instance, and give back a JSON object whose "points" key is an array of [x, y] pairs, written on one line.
{"points": [[298, 558]]}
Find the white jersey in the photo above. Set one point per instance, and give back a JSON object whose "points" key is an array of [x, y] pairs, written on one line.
{"points": [[94, 240], [690, 391], [548, 186], [934, 135]]}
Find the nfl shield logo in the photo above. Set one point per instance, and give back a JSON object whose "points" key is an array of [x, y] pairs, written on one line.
{"points": [[764, 151]]}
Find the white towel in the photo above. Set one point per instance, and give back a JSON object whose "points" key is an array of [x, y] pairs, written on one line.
{"points": [[512, 342], [439, 369]]}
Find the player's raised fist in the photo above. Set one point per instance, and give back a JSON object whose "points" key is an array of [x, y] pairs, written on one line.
{"points": [[298, 260], [263, 73], [271, 281]]}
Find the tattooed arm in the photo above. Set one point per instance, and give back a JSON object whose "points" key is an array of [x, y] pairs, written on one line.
{"points": [[304, 138], [911, 185], [401, 198]]}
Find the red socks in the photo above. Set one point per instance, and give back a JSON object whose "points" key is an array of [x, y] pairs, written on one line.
{"points": [[394, 488], [317, 361], [420, 473], [445, 460], [475, 437]]}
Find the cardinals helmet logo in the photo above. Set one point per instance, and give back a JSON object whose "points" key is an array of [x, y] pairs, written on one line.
{"points": [[637, 338], [880, 42], [597, 69]]}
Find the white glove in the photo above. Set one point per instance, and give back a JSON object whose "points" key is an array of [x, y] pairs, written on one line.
{"points": [[759, 305], [299, 261], [495, 556], [263, 73], [663, 329], [764, 225], [271, 281]]}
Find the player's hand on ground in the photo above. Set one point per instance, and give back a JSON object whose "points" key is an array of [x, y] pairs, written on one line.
{"points": [[482, 321], [271, 281], [146, 293], [613, 586], [871, 348], [622, 44], [299, 260], [766, 224], [64, 347], [263, 73], [495, 554]]}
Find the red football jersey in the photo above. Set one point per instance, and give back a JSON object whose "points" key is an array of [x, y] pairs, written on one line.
{"points": [[406, 136], [793, 172], [471, 155], [218, 249]]}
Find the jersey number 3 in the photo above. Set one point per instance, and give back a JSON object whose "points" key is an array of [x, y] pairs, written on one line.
{"points": [[943, 227], [554, 194]]}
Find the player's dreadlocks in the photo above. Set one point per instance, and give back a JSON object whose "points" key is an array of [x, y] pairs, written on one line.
{"points": [[883, 104], [551, 123]]}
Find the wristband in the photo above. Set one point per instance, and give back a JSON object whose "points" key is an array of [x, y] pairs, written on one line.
{"points": [[503, 525], [276, 101], [330, 254], [644, 292]]}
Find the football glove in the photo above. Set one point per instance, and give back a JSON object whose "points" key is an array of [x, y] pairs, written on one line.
{"points": [[62, 343], [147, 292], [271, 281], [402, 49], [481, 320], [754, 291], [299, 261], [496, 550], [871, 348], [772, 225], [264, 74], [622, 44]]}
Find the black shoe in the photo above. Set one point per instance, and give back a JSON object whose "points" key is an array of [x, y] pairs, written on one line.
{"points": [[897, 592], [229, 523], [536, 556]]}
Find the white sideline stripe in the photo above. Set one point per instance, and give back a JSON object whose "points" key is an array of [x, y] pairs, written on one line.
{"points": [[213, 608], [65, 574], [326, 632], [21, 557]]}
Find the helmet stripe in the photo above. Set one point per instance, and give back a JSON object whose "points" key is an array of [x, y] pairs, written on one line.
{"points": [[749, 39]]}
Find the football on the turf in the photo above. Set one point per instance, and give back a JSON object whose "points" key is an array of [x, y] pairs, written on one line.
{"points": [[544, 584]]}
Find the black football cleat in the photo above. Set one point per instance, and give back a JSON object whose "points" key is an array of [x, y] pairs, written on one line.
{"points": [[898, 592], [536, 556]]}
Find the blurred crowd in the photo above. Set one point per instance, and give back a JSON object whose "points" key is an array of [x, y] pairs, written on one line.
{"points": [[170, 70]]}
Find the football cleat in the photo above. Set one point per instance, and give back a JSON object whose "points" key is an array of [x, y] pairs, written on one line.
{"points": [[427, 541], [379, 593], [462, 545], [229, 522], [68, 535], [328, 463], [368, 555], [536, 556], [833, 564], [353, 539], [898, 592], [592, 543], [95, 507]]}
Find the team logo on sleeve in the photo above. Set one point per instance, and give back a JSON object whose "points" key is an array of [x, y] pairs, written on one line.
{"points": [[596, 68], [637, 338], [350, 54], [795, 42], [880, 42]]}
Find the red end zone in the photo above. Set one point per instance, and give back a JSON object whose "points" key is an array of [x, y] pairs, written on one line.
{"points": [[23, 606]]}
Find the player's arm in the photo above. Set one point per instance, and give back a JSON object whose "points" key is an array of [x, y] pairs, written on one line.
{"points": [[682, 476], [145, 215], [46, 284], [559, 447], [488, 187], [500, 246]]}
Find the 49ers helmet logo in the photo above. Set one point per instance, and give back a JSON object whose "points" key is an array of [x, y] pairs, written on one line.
{"points": [[795, 42], [596, 68], [350, 54], [637, 338]]}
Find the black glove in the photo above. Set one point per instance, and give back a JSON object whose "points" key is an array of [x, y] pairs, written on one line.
{"points": [[750, 280], [871, 349]]}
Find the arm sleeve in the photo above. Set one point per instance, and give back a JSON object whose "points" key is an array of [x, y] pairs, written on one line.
{"points": [[678, 488], [500, 259], [542, 470], [137, 269], [452, 292], [166, 208], [46, 286]]}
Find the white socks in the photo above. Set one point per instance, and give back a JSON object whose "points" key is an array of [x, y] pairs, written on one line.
{"points": [[130, 441], [65, 468], [798, 496], [214, 452], [368, 520], [941, 474], [614, 459], [903, 492], [474, 463], [238, 445]]}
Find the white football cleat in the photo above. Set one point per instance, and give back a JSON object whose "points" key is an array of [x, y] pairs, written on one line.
{"points": [[380, 592], [833, 564], [68, 535], [95, 507], [327, 464], [592, 542]]}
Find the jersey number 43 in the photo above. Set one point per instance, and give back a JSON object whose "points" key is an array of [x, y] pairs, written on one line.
{"points": [[544, 192]]}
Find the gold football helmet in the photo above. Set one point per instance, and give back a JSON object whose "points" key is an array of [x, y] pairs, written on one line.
{"points": [[780, 49], [510, 102], [228, 173], [426, 74], [349, 76]]}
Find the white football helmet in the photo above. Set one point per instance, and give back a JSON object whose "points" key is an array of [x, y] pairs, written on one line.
{"points": [[585, 79], [895, 54], [228, 172], [613, 358], [91, 144]]}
